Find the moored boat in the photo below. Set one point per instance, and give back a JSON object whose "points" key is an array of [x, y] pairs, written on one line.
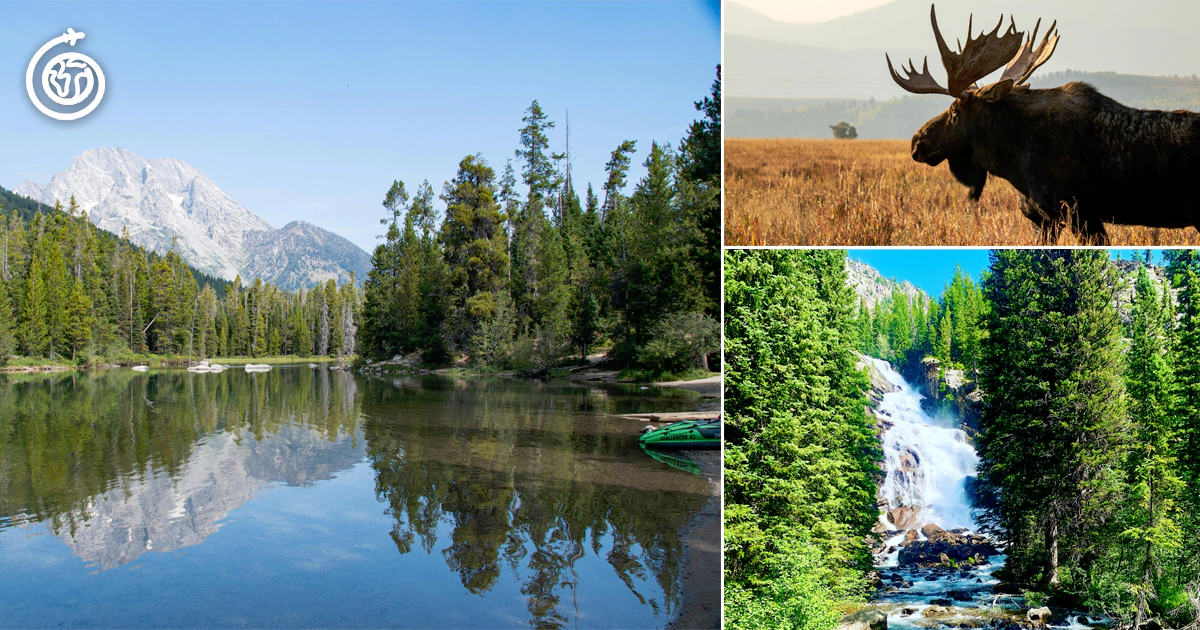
{"points": [[685, 434]]}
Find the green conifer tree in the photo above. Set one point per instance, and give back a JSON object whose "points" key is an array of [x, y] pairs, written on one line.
{"points": [[1054, 429]]}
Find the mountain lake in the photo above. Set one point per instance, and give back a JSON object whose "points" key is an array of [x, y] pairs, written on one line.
{"points": [[321, 498]]}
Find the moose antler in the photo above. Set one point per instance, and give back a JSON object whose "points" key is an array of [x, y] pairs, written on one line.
{"points": [[1030, 59], [980, 57], [918, 83]]}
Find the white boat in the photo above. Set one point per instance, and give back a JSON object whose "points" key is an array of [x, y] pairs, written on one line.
{"points": [[141, 368], [258, 367]]}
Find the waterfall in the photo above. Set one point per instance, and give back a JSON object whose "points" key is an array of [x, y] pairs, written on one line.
{"points": [[927, 460]]}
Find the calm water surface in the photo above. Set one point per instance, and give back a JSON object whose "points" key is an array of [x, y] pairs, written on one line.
{"points": [[307, 497]]}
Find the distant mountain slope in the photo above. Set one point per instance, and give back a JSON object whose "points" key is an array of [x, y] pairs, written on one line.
{"points": [[900, 117], [767, 69], [871, 287], [165, 200], [299, 254]]}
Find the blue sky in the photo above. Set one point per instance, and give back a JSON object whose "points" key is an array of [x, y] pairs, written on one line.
{"points": [[932, 269], [309, 110]]}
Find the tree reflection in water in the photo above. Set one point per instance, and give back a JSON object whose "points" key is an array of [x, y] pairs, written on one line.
{"points": [[531, 476]]}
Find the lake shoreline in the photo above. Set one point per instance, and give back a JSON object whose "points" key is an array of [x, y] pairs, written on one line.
{"points": [[164, 362]]}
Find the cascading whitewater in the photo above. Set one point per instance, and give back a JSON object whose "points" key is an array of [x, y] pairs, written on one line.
{"points": [[927, 461]]}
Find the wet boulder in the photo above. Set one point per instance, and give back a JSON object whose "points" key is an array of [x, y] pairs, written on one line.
{"points": [[1038, 615], [947, 550], [903, 517], [872, 578], [962, 596], [865, 619], [934, 612], [932, 530], [941, 602]]}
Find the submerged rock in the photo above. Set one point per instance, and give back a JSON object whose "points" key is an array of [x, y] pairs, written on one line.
{"points": [[865, 619], [962, 596]]}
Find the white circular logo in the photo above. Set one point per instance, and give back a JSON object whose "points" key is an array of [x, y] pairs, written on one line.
{"points": [[68, 79]]}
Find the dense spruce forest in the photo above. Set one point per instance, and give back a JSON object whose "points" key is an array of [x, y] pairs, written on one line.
{"points": [[801, 459], [521, 272], [1088, 436], [70, 291]]}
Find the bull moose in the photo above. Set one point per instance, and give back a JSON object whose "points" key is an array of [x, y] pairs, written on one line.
{"points": [[1076, 156]]}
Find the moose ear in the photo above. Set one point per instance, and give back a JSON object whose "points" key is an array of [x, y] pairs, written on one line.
{"points": [[995, 91]]}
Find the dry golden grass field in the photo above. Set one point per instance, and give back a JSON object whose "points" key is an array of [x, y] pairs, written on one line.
{"points": [[870, 192]]}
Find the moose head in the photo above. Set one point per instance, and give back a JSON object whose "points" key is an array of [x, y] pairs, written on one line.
{"points": [[952, 134]]}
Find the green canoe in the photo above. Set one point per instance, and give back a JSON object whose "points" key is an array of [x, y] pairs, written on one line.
{"points": [[685, 434]]}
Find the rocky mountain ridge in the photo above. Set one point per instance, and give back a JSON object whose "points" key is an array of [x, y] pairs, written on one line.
{"points": [[165, 202], [871, 287]]}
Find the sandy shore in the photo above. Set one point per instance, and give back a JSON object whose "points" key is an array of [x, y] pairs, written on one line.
{"points": [[700, 580]]}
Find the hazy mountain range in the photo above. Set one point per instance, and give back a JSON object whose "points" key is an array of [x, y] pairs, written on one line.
{"points": [[900, 117], [158, 201], [844, 58]]}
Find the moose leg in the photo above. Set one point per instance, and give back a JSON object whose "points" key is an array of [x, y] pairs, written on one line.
{"points": [[1050, 226], [1091, 232]]}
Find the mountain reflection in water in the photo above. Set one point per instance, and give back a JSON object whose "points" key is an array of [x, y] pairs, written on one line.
{"points": [[516, 486]]}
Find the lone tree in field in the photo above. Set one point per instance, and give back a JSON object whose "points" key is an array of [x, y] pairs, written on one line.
{"points": [[844, 131]]}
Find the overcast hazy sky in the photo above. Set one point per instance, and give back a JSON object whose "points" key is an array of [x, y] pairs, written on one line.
{"points": [[809, 10], [309, 110]]}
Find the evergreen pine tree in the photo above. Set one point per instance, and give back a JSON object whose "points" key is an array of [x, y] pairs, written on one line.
{"points": [[1053, 429], [1152, 522]]}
